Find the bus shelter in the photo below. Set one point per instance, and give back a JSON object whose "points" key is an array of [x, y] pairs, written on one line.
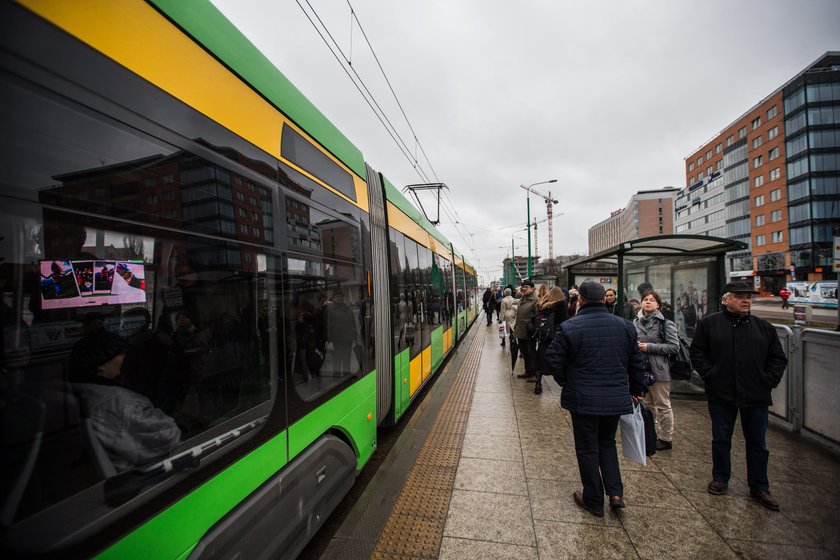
{"points": [[688, 272]]}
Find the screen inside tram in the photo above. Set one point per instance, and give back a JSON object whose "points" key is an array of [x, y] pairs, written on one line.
{"points": [[88, 282]]}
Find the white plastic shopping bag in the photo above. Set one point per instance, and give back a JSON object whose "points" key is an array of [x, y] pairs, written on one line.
{"points": [[633, 435], [503, 330]]}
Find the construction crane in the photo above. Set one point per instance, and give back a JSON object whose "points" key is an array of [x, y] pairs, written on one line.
{"points": [[550, 220], [549, 202]]}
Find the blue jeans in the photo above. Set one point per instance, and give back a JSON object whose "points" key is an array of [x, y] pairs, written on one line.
{"points": [[754, 425], [597, 457]]}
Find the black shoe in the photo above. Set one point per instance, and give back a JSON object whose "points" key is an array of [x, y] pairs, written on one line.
{"points": [[717, 488], [524, 376], [662, 444], [537, 390], [616, 502], [764, 498], [577, 496]]}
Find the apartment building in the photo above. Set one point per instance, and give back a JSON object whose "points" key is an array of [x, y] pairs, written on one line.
{"points": [[648, 213], [772, 179]]}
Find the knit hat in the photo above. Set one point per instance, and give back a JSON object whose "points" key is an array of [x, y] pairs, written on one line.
{"points": [[93, 351]]}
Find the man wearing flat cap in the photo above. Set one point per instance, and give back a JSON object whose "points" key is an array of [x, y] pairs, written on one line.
{"points": [[741, 360], [525, 313], [596, 356]]}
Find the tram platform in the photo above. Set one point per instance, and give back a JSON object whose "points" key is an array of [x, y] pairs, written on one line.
{"points": [[485, 469]]}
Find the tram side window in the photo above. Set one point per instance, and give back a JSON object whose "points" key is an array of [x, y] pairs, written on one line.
{"points": [[443, 286], [325, 304], [399, 299], [425, 276], [110, 323], [414, 297]]}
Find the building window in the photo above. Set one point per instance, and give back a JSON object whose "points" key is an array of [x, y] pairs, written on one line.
{"points": [[756, 142], [242, 213], [773, 132], [760, 240], [742, 132], [719, 164], [168, 179], [243, 228], [240, 197], [772, 112], [758, 181], [757, 161], [718, 148], [729, 141], [699, 175], [699, 161], [775, 194], [691, 180], [773, 154], [691, 166], [151, 199], [168, 195], [708, 155], [759, 220], [777, 237], [756, 122], [759, 201], [150, 182], [774, 174], [775, 216]]}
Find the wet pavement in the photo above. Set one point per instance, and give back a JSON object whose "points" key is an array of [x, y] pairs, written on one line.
{"points": [[512, 495]]}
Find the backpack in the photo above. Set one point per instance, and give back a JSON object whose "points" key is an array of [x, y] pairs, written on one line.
{"points": [[543, 325], [681, 361]]}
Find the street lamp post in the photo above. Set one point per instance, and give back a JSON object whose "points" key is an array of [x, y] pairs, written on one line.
{"points": [[528, 188]]}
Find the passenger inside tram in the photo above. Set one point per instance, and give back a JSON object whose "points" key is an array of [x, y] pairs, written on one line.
{"points": [[126, 424]]}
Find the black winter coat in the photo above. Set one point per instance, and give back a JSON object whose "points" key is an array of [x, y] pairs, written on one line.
{"points": [[596, 355], [739, 358]]}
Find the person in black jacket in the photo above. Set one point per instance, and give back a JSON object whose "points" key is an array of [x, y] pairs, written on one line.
{"points": [[741, 360], [596, 356], [551, 312]]}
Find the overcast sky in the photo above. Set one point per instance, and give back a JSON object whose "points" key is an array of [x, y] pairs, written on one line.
{"points": [[606, 97]]}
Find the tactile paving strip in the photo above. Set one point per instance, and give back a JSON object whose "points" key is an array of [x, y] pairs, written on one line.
{"points": [[415, 528]]}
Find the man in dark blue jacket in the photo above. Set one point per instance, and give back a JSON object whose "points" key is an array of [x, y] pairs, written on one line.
{"points": [[741, 360], [595, 355]]}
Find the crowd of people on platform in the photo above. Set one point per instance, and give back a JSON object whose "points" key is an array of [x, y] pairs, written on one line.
{"points": [[607, 358]]}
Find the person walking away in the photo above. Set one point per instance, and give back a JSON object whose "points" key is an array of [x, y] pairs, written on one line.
{"points": [[488, 304], [525, 314], [508, 312], [611, 301], [498, 304], [657, 341], [596, 356], [551, 312], [741, 360], [784, 293]]}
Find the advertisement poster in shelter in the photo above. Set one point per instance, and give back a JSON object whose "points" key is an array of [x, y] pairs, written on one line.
{"points": [[691, 298]]}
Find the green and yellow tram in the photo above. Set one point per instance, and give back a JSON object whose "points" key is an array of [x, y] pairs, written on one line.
{"points": [[211, 300]]}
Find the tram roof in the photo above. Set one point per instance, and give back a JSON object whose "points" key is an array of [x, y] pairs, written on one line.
{"points": [[209, 27], [661, 246]]}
